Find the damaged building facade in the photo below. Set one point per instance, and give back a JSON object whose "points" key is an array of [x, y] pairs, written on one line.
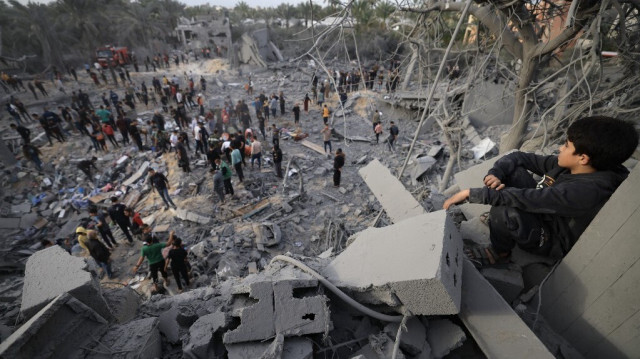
{"points": [[202, 32]]}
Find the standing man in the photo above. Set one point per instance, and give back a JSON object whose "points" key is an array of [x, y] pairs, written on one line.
{"points": [[256, 153], [296, 114], [116, 212], [85, 166], [161, 184], [326, 138], [101, 225], [24, 132], [177, 256], [325, 114], [277, 160], [218, 184], [338, 163], [393, 135], [183, 157], [236, 161], [224, 168]]}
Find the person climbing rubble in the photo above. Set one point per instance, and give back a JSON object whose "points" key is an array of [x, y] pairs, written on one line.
{"points": [[177, 257], [116, 212], [160, 182], [86, 165], [153, 253]]}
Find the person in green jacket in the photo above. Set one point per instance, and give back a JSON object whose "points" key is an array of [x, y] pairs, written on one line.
{"points": [[224, 168], [153, 253], [236, 161]]}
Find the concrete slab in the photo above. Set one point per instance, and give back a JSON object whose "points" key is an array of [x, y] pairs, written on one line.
{"points": [[58, 330], [28, 220], [444, 336], [397, 202], [200, 342], [497, 329], [51, 272], [257, 320], [379, 347], [299, 316], [414, 265], [138, 339], [168, 325], [507, 282], [136, 176], [21, 208], [489, 104]]}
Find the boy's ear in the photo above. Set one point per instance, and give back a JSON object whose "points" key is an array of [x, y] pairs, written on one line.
{"points": [[584, 159]]}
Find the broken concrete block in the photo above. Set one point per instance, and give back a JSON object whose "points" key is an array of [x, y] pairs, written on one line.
{"points": [[475, 231], [200, 342], [444, 336], [257, 320], [434, 151], [252, 267], [123, 303], [414, 265], [398, 203], [28, 220], [186, 316], [489, 103], [507, 282], [299, 316], [21, 208], [422, 166], [267, 233], [136, 176], [413, 339], [136, 339], [168, 325], [51, 272], [59, 330]]}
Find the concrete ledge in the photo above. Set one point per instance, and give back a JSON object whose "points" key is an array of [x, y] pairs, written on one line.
{"points": [[497, 329]]}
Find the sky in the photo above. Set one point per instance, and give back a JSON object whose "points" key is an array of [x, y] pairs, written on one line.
{"points": [[225, 3]]}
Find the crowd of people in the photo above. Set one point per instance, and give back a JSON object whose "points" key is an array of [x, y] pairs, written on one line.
{"points": [[226, 134]]}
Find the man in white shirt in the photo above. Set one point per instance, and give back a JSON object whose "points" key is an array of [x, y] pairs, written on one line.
{"points": [[173, 139], [256, 153]]}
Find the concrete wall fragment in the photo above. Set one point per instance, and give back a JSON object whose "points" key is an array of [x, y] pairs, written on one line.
{"points": [[591, 299], [58, 330], [51, 272], [414, 265], [397, 202]]}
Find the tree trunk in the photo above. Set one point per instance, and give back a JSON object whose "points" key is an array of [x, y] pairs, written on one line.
{"points": [[513, 138], [412, 63]]}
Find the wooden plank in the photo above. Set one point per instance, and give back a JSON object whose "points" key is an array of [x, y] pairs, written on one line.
{"points": [[313, 146], [136, 176]]}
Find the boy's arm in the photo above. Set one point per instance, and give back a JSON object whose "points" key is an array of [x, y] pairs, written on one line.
{"points": [[532, 162], [567, 200]]}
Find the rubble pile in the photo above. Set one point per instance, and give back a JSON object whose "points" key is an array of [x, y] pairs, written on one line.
{"points": [[242, 303]]}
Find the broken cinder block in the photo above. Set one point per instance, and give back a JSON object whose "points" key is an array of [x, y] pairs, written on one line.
{"points": [[414, 265], [137, 339], [200, 344]]}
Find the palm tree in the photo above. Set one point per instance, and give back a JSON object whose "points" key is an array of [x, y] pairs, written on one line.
{"points": [[34, 20], [285, 11], [384, 9], [363, 13], [82, 19]]}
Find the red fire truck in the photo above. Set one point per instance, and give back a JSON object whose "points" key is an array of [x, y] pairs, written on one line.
{"points": [[112, 56]]}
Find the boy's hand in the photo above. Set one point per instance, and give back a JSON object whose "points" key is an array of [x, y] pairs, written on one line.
{"points": [[493, 182], [456, 198]]}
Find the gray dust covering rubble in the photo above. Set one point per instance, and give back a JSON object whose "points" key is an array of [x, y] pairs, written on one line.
{"points": [[381, 239]]}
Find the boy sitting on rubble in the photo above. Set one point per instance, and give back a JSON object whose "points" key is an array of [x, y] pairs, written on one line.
{"points": [[547, 218]]}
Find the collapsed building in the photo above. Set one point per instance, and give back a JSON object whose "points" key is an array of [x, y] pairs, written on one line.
{"points": [[295, 269]]}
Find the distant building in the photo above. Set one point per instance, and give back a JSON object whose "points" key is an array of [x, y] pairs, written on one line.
{"points": [[205, 32]]}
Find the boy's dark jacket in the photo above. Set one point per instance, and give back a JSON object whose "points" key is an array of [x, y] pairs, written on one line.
{"points": [[567, 202]]}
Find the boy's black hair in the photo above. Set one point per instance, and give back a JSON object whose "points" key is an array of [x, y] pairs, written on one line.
{"points": [[177, 241], [607, 141]]}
